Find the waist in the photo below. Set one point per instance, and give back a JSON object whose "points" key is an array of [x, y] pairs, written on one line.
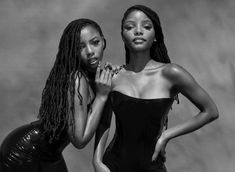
{"points": [[28, 140]]}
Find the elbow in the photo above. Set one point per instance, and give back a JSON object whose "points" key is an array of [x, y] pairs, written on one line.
{"points": [[77, 139], [79, 143], [213, 116]]}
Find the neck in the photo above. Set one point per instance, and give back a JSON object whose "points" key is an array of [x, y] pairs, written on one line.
{"points": [[138, 61]]}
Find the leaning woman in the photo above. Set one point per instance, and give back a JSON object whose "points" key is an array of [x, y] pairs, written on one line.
{"points": [[72, 101]]}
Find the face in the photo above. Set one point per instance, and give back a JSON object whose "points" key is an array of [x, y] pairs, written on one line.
{"points": [[91, 47], [138, 31]]}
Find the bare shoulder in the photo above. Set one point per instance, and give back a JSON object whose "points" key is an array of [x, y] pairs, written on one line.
{"points": [[118, 77], [173, 69], [176, 73]]}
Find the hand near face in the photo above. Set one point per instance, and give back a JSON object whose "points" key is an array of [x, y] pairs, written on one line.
{"points": [[103, 81], [114, 68]]}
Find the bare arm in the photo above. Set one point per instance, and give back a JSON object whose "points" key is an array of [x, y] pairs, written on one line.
{"points": [[185, 84], [87, 120], [101, 138]]}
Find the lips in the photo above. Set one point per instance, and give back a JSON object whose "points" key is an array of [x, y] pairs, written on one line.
{"points": [[139, 40], [93, 60]]}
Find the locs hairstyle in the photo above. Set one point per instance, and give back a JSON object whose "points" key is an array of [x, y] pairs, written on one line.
{"points": [[158, 51], [57, 103]]}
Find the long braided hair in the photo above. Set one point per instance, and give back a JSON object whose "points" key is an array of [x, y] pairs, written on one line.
{"points": [[57, 104], [158, 51]]}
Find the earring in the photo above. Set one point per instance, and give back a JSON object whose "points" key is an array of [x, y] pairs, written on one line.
{"points": [[155, 40]]}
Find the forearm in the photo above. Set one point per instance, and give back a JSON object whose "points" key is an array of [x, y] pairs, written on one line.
{"points": [[191, 125], [94, 115], [100, 147], [102, 136]]}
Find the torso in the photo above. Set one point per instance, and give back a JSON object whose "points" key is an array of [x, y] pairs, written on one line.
{"points": [[140, 102], [147, 84]]}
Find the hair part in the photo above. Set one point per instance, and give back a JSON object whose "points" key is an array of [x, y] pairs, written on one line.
{"points": [[57, 104]]}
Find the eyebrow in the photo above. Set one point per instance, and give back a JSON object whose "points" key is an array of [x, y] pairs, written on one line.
{"points": [[144, 21], [95, 37]]}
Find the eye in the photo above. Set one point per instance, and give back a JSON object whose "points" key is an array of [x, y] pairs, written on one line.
{"points": [[128, 27], [96, 42], [148, 27]]}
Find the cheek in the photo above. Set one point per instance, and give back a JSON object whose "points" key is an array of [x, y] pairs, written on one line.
{"points": [[151, 36], [126, 35], [127, 38], [83, 57], [99, 52]]}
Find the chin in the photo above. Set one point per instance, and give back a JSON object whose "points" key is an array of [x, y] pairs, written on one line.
{"points": [[92, 69], [140, 49]]}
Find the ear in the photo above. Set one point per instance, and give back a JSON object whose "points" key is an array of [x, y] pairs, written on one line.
{"points": [[104, 43]]}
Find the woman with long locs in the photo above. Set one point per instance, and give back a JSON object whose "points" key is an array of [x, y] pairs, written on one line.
{"points": [[71, 105], [142, 94]]}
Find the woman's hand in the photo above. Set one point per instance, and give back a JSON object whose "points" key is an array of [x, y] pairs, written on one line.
{"points": [[160, 148], [103, 81], [114, 68]]}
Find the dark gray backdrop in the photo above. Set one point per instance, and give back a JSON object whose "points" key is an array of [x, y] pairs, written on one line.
{"points": [[200, 36]]}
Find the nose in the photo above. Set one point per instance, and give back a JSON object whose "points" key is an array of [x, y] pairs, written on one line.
{"points": [[90, 51], [138, 31]]}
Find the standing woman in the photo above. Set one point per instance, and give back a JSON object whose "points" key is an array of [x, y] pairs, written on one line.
{"points": [[72, 101], [142, 94]]}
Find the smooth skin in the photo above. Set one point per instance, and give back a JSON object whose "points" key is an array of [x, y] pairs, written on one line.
{"points": [[86, 120], [24, 148], [147, 79]]}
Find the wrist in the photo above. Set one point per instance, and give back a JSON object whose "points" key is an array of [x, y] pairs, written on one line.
{"points": [[165, 136]]}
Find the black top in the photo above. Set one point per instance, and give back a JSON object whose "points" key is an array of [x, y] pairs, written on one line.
{"points": [[139, 123]]}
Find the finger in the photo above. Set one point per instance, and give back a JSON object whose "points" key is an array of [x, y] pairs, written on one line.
{"points": [[101, 79], [97, 75], [115, 67], [110, 78], [154, 157], [155, 154], [106, 76], [108, 65]]}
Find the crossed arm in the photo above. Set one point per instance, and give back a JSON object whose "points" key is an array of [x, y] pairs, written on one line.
{"points": [[87, 120]]}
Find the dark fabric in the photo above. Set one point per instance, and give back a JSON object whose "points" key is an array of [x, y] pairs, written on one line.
{"points": [[139, 123], [24, 149]]}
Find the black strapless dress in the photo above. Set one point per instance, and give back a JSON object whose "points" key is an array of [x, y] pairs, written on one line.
{"points": [[139, 123], [25, 150]]}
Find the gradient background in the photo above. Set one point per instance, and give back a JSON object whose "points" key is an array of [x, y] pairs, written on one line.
{"points": [[200, 36]]}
